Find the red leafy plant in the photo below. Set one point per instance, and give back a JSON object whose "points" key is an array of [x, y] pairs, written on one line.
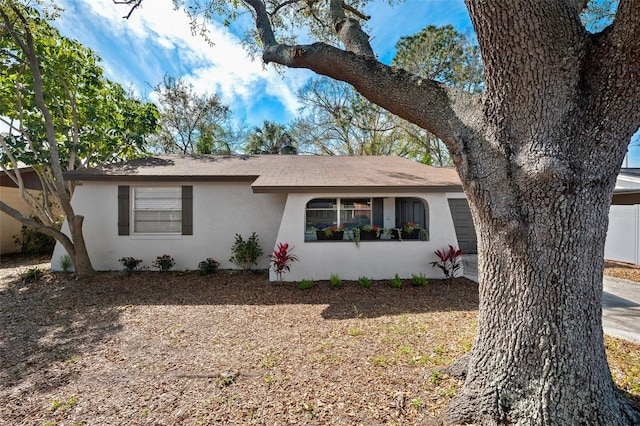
{"points": [[449, 261], [282, 258]]}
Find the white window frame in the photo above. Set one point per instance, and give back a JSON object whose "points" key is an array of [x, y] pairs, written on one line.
{"points": [[174, 210], [338, 208]]}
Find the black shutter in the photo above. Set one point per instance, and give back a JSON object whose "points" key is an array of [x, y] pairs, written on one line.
{"points": [[123, 210], [378, 212], [187, 210]]}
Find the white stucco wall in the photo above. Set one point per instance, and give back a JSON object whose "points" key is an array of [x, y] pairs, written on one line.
{"points": [[373, 259], [220, 210], [623, 236]]}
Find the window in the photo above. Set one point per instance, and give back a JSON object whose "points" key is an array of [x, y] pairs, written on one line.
{"points": [[348, 212], [409, 209], [152, 210], [157, 210], [355, 212]]}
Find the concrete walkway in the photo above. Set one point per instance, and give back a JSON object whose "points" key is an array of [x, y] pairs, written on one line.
{"points": [[620, 303], [621, 308]]}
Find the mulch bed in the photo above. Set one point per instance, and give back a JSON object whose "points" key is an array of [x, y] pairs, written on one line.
{"points": [[625, 271], [179, 348]]}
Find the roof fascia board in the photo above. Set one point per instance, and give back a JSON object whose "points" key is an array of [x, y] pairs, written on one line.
{"points": [[159, 178], [354, 189]]}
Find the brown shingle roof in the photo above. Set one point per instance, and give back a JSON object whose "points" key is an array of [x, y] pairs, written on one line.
{"points": [[284, 173]]}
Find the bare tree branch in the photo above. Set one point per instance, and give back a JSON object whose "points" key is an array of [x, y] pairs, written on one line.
{"points": [[285, 4], [355, 11], [349, 31], [135, 4]]}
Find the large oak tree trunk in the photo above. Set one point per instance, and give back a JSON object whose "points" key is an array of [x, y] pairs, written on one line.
{"points": [[540, 300]]}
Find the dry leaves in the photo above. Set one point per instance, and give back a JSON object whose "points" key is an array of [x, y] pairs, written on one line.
{"points": [[178, 348]]}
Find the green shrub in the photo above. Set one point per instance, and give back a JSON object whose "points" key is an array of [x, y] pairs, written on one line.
{"points": [[164, 263], [246, 253], [396, 282], [305, 284], [34, 242], [335, 280], [208, 266], [129, 264], [364, 282], [65, 263], [419, 280], [33, 274]]}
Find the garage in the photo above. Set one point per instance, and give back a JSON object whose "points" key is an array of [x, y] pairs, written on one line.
{"points": [[463, 224]]}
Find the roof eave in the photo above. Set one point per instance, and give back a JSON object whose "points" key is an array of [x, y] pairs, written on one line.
{"points": [[158, 178], [264, 189]]}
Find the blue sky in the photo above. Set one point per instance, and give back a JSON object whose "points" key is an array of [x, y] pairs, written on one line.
{"points": [[157, 41]]}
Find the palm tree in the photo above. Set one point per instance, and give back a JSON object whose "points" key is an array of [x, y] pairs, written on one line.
{"points": [[272, 138]]}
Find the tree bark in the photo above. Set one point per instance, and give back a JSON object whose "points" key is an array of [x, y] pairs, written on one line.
{"points": [[538, 357]]}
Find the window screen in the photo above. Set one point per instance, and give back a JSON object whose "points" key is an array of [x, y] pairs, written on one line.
{"points": [[157, 210]]}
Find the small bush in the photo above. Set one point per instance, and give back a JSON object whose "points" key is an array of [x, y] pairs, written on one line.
{"points": [[33, 274], [335, 280], [246, 253], [164, 263], [129, 264], [396, 282], [209, 266], [419, 280], [35, 242], [305, 284], [364, 282], [65, 263]]}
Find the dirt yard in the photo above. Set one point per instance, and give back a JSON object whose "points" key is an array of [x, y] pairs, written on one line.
{"points": [[177, 348]]}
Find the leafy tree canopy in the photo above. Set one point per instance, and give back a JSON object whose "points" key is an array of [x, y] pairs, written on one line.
{"points": [[190, 123], [96, 121]]}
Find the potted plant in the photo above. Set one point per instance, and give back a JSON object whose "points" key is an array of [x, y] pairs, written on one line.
{"points": [[369, 232], [333, 232], [366, 233], [408, 231]]}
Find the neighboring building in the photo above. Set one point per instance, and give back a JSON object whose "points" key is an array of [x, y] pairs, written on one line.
{"points": [[191, 207], [10, 195], [623, 236]]}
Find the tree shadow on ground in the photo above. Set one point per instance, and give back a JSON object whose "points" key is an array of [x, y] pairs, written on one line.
{"points": [[233, 288], [50, 322]]}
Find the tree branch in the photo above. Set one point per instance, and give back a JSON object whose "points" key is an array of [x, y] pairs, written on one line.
{"points": [[135, 3], [281, 5], [349, 31], [614, 57], [426, 103], [47, 230], [26, 44], [355, 12]]}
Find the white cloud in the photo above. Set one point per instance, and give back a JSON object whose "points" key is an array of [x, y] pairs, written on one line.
{"points": [[157, 40]]}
